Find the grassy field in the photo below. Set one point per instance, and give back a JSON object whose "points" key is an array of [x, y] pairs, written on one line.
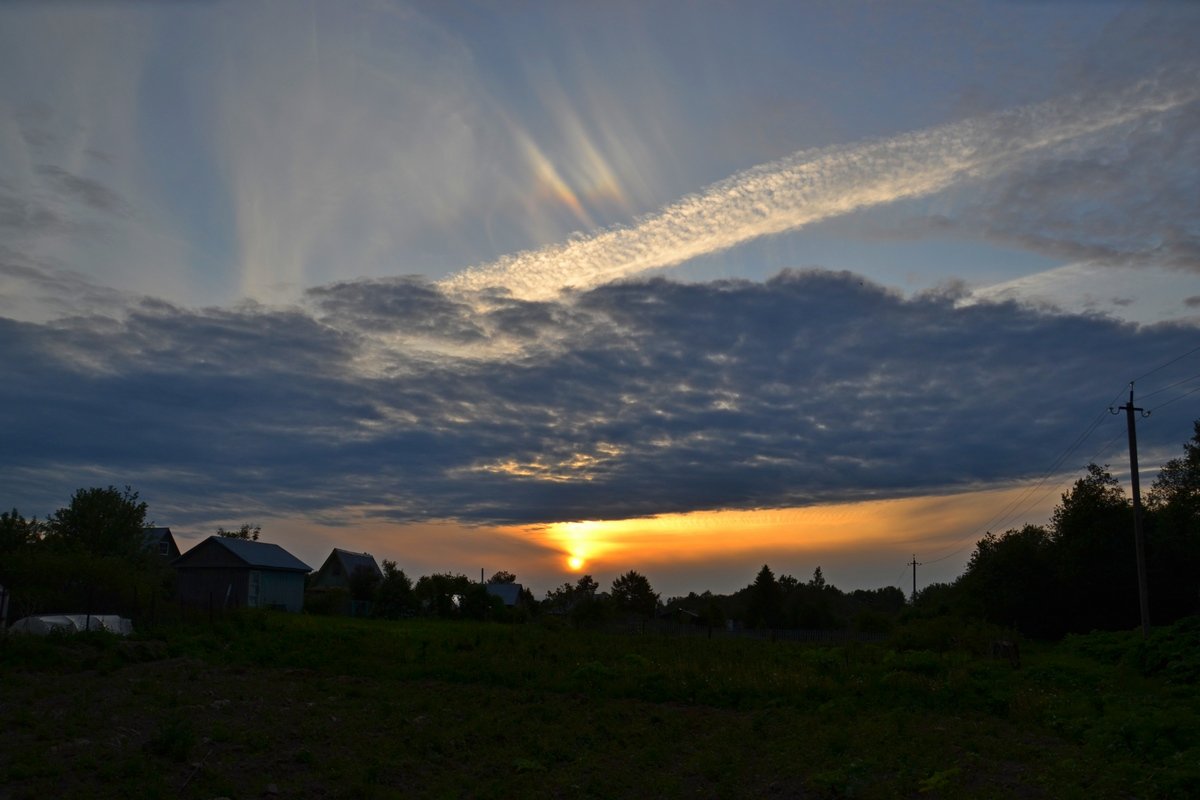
{"points": [[325, 707]]}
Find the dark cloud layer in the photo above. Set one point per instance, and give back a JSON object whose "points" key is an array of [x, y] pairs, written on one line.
{"points": [[630, 399]]}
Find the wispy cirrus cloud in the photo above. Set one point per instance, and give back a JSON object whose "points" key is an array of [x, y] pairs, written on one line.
{"points": [[811, 186]]}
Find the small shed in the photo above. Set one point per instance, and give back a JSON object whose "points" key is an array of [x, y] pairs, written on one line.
{"points": [[223, 572], [161, 542], [336, 571], [331, 587]]}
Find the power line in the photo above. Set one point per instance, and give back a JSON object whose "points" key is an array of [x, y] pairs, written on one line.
{"points": [[1173, 399], [1011, 509], [1166, 364], [1170, 386], [1018, 505]]}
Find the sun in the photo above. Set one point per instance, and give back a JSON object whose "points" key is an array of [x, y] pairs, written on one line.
{"points": [[575, 563]]}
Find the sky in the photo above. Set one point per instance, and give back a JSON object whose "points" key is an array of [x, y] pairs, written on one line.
{"points": [[680, 287]]}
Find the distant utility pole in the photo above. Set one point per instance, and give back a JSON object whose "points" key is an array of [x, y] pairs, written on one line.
{"points": [[1138, 538], [915, 564]]}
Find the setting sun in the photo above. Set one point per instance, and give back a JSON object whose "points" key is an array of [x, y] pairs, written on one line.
{"points": [[575, 563]]}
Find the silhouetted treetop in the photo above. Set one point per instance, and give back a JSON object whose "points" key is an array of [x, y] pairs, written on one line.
{"points": [[248, 532], [632, 594], [103, 522]]}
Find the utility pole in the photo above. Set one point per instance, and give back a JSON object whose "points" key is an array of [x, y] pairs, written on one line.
{"points": [[1138, 537], [915, 564]]}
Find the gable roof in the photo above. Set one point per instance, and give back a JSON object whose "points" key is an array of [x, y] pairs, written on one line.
{"points": [[352, 561], [160, 542], [509, 593], [155, 535], [261, 555]]}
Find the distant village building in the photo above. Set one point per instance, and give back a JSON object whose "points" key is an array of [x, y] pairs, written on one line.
{"points": [[336, 574], [509, 593], [161, 542], [340, 565], [223, 572]]}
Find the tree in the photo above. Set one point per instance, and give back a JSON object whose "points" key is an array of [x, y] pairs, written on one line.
{"points": [[765, 600], [503, 576], [395, 593], [17, 532], [1010, 580], [247, 531], [579, 601], [1173, 534], [632, 594], [1093, 555], [441, 594], [1177, 486], [586, 586], [102, 522], [818, 579]]}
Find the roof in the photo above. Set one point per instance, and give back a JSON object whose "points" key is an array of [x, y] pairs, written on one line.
{"points": [[155, 535], [261, 554], [353, 561], [509, 593]]}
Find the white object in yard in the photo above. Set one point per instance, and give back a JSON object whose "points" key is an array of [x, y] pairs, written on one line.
{"points": [[74, 623]]}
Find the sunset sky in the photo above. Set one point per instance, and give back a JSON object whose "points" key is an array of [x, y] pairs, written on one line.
{"points": [[681, 287]]}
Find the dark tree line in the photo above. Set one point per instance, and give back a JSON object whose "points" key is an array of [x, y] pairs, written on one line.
{"points": [[89, 554], [1077, 573], [1074, 574], [787, 603]]}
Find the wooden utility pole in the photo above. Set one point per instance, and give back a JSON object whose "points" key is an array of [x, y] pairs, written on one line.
{"points": [[1138, 537], [915, 564]]}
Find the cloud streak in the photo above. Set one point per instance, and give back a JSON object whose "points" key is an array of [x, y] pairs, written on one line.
{"points": [[811, 186]]}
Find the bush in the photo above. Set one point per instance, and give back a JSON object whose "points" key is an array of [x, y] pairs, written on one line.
{"points": [[326, 602]]}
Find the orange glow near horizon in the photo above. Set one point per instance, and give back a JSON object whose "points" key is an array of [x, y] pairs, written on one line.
{"points": [[929, 525], [720, 548]]}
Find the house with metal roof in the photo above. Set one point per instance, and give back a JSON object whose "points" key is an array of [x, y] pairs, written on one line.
{"points": [[160, 542], [340, 565], [509, 593], [331, 589], [223, 572]]}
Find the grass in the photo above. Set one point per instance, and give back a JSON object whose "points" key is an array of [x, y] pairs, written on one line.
{"points": [[326, 707]]}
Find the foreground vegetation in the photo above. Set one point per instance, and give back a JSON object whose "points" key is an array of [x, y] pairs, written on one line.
{"points": [[333, 707]]}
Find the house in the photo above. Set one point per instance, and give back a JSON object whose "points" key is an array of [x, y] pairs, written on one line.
{"points": [[336, 571], [335, 574], [223, 572], [160, 541], [509, 593]]}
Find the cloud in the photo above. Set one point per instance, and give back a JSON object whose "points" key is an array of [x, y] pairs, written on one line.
{"points": [[627, 400], [32, 290], [1137, 293], [1129, 201], [90, 192], [811, 186], [25, 216]]}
